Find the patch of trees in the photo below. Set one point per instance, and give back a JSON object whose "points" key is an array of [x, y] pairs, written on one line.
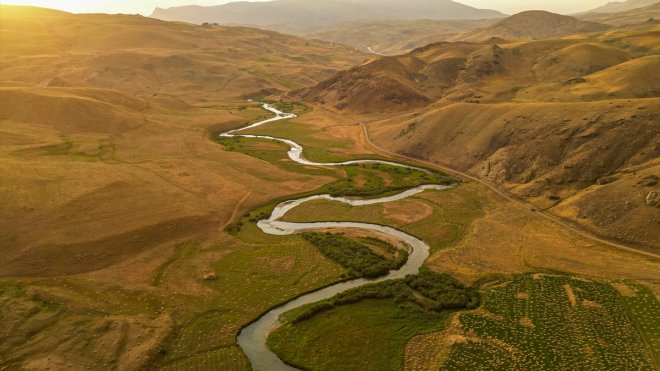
{"points": [[353, 255], [429, 290]]}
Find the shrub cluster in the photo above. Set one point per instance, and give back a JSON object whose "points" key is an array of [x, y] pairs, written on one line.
{"points": [[429, 290], [357, 257]]}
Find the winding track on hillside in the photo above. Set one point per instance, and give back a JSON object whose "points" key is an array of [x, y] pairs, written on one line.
{"points": [[509, 197], [252, 339]]}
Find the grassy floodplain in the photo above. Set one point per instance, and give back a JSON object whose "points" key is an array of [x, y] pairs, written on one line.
{"points": [[439, 218], [364, 180], [442, 219], [366, 328]]}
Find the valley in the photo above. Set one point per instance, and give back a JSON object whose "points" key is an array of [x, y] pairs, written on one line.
{"points": [[219, 197]]}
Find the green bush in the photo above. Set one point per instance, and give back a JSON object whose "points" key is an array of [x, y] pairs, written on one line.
{"points": [[353, 255], [429, 290]]}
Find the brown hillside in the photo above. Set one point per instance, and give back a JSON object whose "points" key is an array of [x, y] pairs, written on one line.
{"points": [[491, 72], [595, 155], [397, 37], [531, 116], [88, 115], [534, 25], [149, 56]]}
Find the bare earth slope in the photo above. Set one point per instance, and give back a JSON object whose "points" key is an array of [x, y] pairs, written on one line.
{"points": [[569, 124]]}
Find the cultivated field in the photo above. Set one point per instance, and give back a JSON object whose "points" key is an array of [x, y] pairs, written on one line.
{"points": [[545, 322]]}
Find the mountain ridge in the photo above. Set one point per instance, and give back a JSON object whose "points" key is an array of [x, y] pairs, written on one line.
{"points": [[300, 17], [620, 6]]}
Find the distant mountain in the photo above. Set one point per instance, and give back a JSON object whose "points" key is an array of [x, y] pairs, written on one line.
{"points": [[622, 6], [397, 37], [628, 17], [303, 16], [534, 25]]}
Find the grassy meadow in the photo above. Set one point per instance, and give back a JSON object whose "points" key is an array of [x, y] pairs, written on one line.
{"points": [[366, 328]]}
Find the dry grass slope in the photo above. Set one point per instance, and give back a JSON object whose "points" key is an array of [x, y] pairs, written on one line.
{"points": [[570, 124]]}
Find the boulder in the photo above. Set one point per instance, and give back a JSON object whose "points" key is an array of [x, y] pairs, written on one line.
{"points": [[653, 199], [210, 277], [554, 197]]}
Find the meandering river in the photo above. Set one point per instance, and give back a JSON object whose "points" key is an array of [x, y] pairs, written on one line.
{"points": [[252, 339]]}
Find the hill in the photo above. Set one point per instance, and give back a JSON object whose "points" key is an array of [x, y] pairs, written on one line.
{"points": [[303, 17], [622, 6], [150, 56], [128, 227], [397, 37], [527, 116], [109, 182], [485, 72], [628, 17], [534, 25]]}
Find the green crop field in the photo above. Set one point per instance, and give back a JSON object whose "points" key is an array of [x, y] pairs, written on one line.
{"points": [[536, 322], [644, 309]]}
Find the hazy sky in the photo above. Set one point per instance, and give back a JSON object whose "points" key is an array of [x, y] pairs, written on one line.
{"points": [[146, 6], [113, 6]]}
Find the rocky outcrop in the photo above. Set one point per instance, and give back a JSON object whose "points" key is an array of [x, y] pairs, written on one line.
{"points": [[653, 199]]}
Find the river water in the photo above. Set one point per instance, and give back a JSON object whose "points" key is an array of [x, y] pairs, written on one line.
{"points": [[252, 339]]}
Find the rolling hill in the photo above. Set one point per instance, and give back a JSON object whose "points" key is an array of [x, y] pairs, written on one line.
{"points": [[527, 116], [304, 17], [128, 232], [534, 25], [108, 176], [151, 56]]}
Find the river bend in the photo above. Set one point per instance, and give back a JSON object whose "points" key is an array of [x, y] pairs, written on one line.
{"points": [[252, 339]]}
